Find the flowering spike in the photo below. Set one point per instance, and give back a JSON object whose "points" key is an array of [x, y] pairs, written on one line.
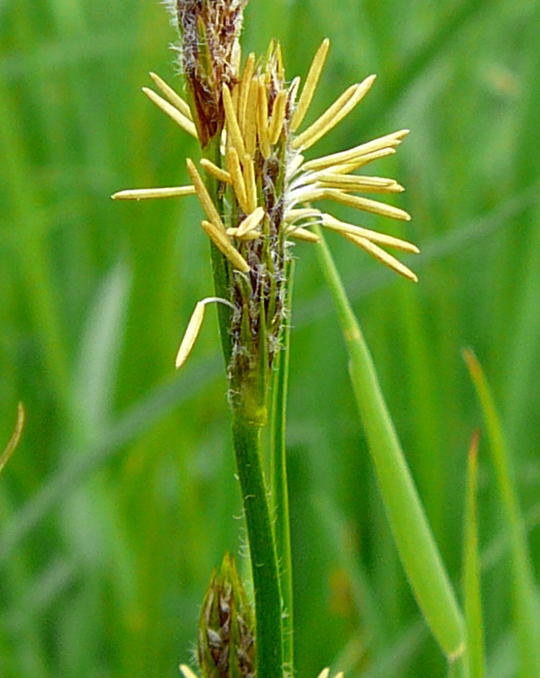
{"points": [[226, 642], [171, 111], [310, 86]]}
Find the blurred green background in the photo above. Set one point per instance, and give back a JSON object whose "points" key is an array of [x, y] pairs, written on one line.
{"points": [[121, 497]]}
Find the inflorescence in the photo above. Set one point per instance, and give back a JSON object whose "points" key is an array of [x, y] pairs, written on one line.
{"points": [[267, 192]]}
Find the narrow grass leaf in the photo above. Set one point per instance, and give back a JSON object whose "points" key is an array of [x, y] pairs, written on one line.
{"points": [[471, 571], [15, 437], [526, 610], [417, 549]]}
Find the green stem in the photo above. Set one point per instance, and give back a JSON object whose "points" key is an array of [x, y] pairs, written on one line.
{"points": [[415, 543], [247, 444], [280, 489]]}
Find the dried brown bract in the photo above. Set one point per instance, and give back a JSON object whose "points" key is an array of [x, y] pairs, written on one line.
{"points": [[210, 53]]}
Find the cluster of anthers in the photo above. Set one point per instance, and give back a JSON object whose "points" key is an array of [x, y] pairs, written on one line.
{"points": [[266, 189]]}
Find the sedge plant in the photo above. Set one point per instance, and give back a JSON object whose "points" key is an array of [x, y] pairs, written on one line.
{"points": [[260, 196]]}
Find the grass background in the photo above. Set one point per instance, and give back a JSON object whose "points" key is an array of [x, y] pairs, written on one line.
{"points": [[121, 497]]}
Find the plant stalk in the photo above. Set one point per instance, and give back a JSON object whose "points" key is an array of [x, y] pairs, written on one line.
{"points": [[247, 444], [280, 488]]}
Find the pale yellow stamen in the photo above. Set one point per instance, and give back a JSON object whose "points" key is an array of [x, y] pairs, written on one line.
{"points": [[367, 205], [215, 171], [381, 238], [250, 183], [245, 87], [262, 120], [361, 161], [251, 222], [148, 193], [359, 183], [250, 235], [308, 195], [335, 114], [175, 99], [233, 128], [388, 140], [278, 116], [173, 113], [301, 213], [250, 124], [235, 96], [188, 673], [191, 334], [382, 256], [324, 674], [239, 186], [303, 234], [310, 85], [204, 197], [221, 241], [279, 60]]}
